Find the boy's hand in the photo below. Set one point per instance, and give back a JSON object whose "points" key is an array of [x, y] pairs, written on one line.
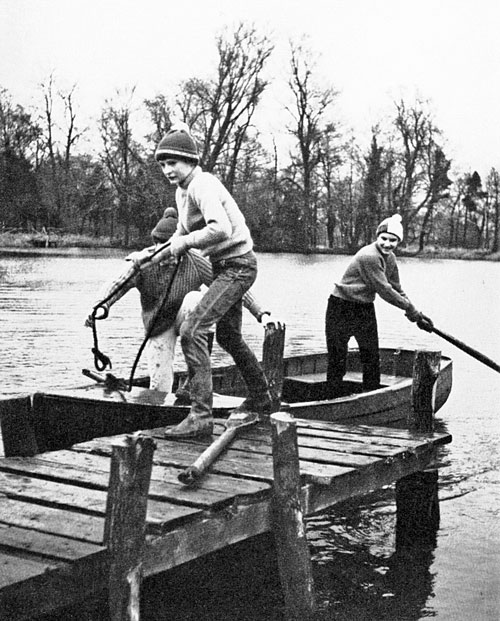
{"points": [[178, 246], [141, 256], [268, 320], [425, 323]]}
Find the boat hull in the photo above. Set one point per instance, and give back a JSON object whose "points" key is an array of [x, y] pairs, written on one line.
{"points": [[59, 419]]}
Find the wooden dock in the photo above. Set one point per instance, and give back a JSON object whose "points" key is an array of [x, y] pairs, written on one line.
{"points": [[53, 505]]}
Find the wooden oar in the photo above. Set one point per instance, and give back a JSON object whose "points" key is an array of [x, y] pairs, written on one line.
{"points": [[192, 473], [467, 349]]}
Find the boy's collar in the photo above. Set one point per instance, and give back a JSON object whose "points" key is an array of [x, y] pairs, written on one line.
{"points": [[189, 178]]}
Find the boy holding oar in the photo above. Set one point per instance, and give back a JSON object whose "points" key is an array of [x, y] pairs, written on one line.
{"points": [[211, 221], [351, 311]]}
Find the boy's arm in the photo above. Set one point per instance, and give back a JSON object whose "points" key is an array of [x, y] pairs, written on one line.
{"points": [[372, 270], [116, 288]]}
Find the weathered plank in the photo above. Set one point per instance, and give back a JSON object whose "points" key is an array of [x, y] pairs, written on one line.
{"points": [[83, 500], [164, 484], [46, 545], [51, 520], [256, 466]]}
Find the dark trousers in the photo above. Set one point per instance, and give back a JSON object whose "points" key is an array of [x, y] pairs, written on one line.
{"points": [[222, 305], [343, 320]]}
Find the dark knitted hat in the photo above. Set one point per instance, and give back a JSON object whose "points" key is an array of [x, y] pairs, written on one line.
{"points": [[178, 144], [165, 228]]}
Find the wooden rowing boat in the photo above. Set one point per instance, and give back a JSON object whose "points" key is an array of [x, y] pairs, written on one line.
{"points": [[56, 420]]}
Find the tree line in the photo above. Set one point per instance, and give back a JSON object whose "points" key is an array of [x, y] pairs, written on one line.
{"points": [[329, 192]]}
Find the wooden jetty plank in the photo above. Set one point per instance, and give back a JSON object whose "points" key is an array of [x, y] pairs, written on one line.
{"points": [[94, 473], [46, 545], [257, 440], [231, 462], [306, 453], [377, 475], [83, 500], [375, 431], [51, 520], [323, 450]]}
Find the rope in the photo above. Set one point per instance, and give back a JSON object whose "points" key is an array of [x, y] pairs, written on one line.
{"points": [[101, 361], [152, 324]]}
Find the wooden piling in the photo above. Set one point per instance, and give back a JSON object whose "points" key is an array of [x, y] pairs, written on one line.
{"points": [[16, 425], [417, 502], [273, 362], [288, 522], [124, 529], [425, 374]]}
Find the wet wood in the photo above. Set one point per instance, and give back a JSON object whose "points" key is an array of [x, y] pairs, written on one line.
{"points": [[125, 525], [273, 362], [17, 427], [294, 560], [417, 501], [52, 505], [425, 374]]}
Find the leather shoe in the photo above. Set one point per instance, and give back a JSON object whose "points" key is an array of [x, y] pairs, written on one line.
{"points": [[191, 427]]}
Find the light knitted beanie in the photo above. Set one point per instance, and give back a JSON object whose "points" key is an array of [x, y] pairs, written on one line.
{"points": [[391, 225], [178, 144]]}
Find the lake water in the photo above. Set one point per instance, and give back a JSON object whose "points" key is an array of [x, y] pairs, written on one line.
{"points": [[44, 345]]}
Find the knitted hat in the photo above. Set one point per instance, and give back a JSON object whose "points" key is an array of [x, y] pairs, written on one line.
{"points": [[391, 225], [178, 143], [165, 228]]}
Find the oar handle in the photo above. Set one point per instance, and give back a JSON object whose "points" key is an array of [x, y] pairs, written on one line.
{"points": [[467, 349], [193, 472]]}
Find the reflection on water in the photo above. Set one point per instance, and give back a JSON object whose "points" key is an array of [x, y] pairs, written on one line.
{"points": [[359, 575]]}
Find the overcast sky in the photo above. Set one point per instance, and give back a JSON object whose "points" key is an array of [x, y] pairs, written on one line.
{"points": [[372, 51]]}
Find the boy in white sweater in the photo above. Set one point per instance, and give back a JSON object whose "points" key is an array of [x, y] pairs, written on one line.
{"points": [[211, 221]]}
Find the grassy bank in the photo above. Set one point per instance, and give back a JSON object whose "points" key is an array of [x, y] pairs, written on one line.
{"points": [[27, 241]]}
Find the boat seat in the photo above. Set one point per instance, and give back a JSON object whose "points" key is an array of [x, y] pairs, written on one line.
{"points": [[312, 386]]}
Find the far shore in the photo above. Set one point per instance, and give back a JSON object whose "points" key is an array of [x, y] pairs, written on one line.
{"points": [[81, 246]]}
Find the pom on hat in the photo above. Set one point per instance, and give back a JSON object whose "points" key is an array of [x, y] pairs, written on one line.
{"points": [[392, 225], [178, 143], [165, 228]]}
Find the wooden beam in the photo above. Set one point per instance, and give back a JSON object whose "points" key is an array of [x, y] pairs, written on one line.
{"points": [[17, 427], [125, 525], [273, 363], [288, 523], [417, 502]]}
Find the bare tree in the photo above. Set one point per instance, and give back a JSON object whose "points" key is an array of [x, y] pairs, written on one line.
{"points": [[309, 110], [220, 111], [422, 168], [121, 157]]}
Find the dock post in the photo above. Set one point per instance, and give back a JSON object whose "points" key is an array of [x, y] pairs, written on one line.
{"points": [[125, 524], [417, 502], [289, 530], [273, 362]]}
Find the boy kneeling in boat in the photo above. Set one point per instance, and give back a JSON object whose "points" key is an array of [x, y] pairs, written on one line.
{"points": [[351, 311]]}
